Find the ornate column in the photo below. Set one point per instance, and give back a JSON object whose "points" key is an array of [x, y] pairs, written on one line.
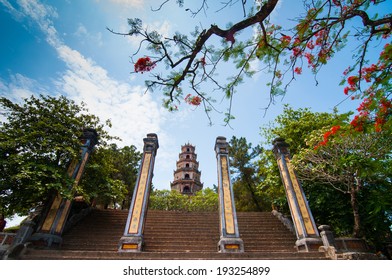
{"points": [[308, 238], [50, 230], [132, 239], [230, 240]]}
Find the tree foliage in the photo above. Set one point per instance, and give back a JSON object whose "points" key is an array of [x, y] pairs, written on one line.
{"points": [[111, 175], [38, 139], [294, 126], [346, 174], [324, 28], [244, 175], [354, 164], [204, 200]]}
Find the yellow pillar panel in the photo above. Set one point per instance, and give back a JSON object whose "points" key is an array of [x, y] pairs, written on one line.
{"points": [[228, 206], [49, 220], [301, 200], [141, 188], [72, 167], [81, 168], [291, 199], [63, 217]]}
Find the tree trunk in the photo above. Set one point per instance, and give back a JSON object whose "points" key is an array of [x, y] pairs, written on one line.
{"points": [[355, 208], [254, 197]]}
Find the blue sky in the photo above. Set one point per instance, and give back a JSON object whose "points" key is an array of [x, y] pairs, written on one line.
{"points": [[63, 48]]}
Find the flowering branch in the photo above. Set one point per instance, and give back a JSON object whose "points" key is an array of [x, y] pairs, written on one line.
{"points": [[318, 35]]}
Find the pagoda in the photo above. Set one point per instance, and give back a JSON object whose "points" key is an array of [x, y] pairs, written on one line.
{"points": [[187, 175]]}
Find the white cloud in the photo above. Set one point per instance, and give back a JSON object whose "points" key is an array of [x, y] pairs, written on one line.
{"points": [[20, 87], [128, 3], [162, 28], [14, 12], [81, 31], [132, 3], [133, 113], [83, 34]]}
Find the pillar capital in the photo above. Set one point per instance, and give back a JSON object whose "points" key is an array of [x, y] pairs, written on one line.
{"points": [[151, 143], [280, 147], [221, 145], [89, 138]]}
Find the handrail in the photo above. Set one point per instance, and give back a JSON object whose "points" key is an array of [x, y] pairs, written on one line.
{"points": [[6, 236]]}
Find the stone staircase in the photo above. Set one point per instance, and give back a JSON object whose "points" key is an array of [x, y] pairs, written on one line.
{"points": [[175, 235]]}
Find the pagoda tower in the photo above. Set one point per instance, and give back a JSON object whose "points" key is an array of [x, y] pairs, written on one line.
{"points": [[187, 175]]}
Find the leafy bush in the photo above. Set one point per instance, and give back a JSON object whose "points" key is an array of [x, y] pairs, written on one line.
{"points": [[204, 200]]}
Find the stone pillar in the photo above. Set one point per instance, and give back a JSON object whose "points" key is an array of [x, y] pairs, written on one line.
{"points": [[308, 238], [50, 230], [329, 245], [132, 239], [230, 240], [327, 236]]}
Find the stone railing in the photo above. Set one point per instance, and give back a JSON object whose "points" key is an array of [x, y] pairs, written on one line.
{"points": [[335, 248], [345, 248], [6, 240], [287, 222]]}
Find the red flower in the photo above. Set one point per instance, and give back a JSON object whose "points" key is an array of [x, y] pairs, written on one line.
{"points": [[310, 45], [336, 2], [335, 129], [285, 39], [298, 70], [385, 105], [203, 61], [193, 100], [357, 123], [297, 41], [352, 80], [310, 58], [347, 71], [327, 135], [297, 51], [144, 64]]}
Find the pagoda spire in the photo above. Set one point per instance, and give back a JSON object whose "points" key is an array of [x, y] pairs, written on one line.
{"points": [[187, 174]]}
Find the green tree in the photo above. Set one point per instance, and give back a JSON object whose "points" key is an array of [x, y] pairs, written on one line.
{"points": [[310, 39], [294, 126], [204, 200], [345, 173], [111, 175], [38, 139], [244, 173], [353, 164]]}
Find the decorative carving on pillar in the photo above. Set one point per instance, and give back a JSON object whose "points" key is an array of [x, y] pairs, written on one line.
{"points": [[132, 239], [308, 238], [230, 240], [50, 230]]}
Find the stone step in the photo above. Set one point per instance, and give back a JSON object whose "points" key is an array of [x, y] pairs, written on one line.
{"points": [[174, 234], [105, 255], [173, 247], [151, 242], [170, 215]]}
